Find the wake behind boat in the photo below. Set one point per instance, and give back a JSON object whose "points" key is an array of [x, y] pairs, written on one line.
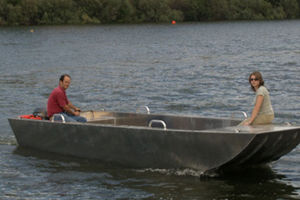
{"points": [[159, 140]]}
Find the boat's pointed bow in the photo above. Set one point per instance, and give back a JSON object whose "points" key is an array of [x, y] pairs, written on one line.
{"points": [[268, 145]]}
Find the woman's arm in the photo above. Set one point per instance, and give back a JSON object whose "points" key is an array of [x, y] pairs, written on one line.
{"points": [[258, 103]]}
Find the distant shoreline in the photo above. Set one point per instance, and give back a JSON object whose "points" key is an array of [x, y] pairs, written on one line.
{"points": [[76, 12]]}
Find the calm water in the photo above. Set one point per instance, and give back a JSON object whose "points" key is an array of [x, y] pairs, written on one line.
{"points": [[198, 69]]}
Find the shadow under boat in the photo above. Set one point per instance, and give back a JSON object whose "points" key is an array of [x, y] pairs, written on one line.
{"points": [[159, 140]]}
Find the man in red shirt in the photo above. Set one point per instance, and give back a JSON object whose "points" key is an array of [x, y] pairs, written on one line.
{"points": [[58, 102]]}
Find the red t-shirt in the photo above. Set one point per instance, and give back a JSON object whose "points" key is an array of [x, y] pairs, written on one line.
{"points": [[56, 101]]}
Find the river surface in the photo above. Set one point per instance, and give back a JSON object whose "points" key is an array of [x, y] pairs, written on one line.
{"points": [[190, 68]]}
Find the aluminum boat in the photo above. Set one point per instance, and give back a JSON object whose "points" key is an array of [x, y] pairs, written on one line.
{"points": [[138, 140]]}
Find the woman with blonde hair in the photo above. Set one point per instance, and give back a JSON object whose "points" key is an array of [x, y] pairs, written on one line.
{"points": [[262, 112]]}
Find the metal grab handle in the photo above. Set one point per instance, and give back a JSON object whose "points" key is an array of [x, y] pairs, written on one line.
{"points": [[59, 115], [244, 113], [158, 121], [146, 107]]}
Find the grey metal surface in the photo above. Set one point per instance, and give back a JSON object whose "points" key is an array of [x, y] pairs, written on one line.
{"points": [[188, 142]]}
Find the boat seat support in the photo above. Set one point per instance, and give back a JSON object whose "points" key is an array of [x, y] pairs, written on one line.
{"points": [[60, 116], [146, 107], [158, 121]]}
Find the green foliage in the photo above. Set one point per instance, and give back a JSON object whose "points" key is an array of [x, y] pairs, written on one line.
{"points": [[187, 9], [218, 9], [36, 12], [29, 12], [156, 11], [291, 8], [118, 11], [3, 12], [14, 14]]}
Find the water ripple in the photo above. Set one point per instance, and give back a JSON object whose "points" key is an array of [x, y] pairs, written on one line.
{"points": [[197, 68]]}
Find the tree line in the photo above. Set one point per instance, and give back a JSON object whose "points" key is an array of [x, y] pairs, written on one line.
{"points": [[39, 12]]}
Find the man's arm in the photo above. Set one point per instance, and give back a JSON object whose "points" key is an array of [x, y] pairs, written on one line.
{"points": [[70, 108], [73, 107]]}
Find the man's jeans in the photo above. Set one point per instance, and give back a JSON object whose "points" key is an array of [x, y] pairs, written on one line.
{"points": [[70, 118]]}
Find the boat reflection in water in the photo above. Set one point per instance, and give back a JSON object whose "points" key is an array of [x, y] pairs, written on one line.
{"points": [[159, 140], [259, 182]]}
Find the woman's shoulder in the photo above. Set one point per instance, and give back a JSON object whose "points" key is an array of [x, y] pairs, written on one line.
{"points": [[262, 87], [262, 90]]}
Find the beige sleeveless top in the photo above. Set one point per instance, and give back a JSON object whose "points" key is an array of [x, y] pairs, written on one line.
{"points": [[266, 107]]}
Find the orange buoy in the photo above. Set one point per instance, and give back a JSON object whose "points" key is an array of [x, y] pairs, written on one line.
{"points": [[173, 22]]}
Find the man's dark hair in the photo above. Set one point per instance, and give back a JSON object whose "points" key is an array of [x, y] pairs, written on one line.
{"points": [[62, 77]]}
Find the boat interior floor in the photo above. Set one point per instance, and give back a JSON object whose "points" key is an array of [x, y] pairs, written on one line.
{"points": [[158, 121]]}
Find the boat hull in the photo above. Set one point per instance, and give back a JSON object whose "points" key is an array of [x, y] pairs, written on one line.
{"points": [[147, 147]]}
